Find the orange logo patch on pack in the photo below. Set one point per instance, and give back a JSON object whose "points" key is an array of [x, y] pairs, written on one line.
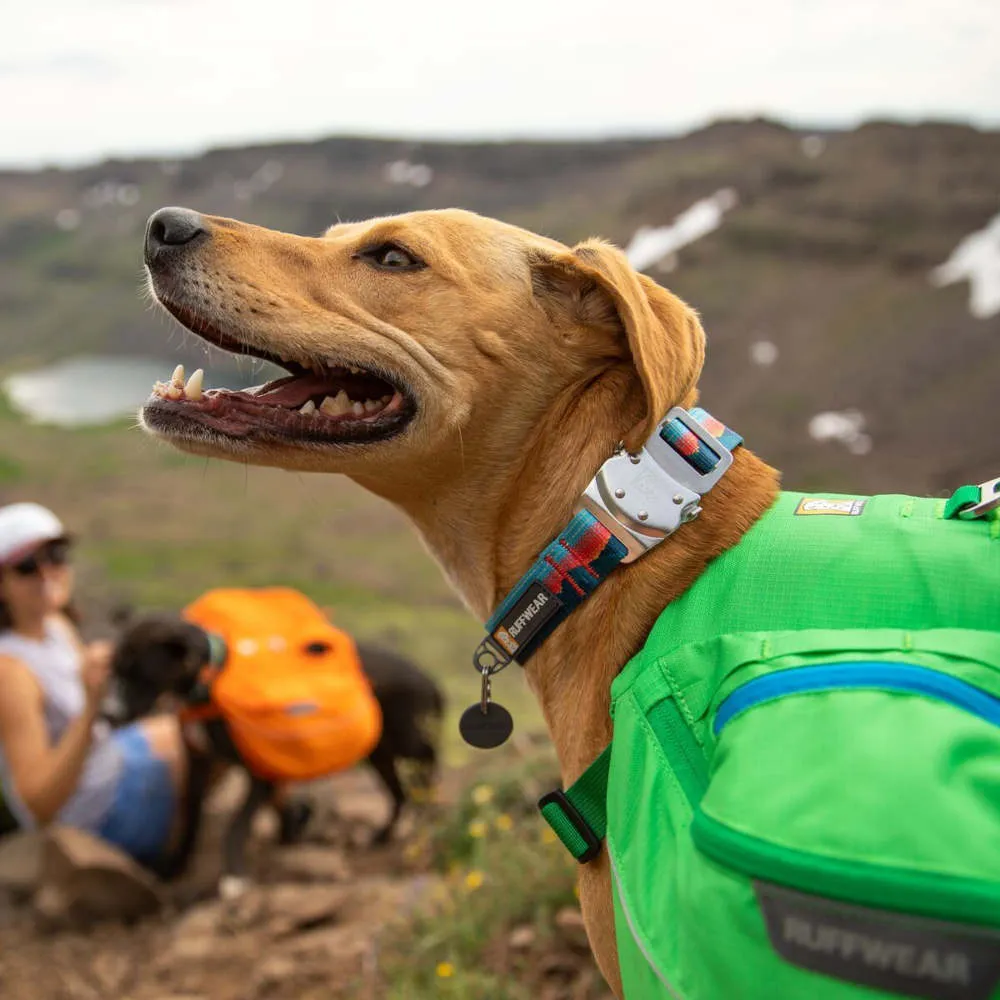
{"points": [[819, 505]]}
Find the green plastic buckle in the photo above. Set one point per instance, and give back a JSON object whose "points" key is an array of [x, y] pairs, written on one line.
{"points": [[579, 816], [569, 826]]}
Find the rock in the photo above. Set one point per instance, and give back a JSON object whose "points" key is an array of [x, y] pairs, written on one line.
{"points": [[311, 863], [272, 911], [83, 880], [195, 934], [273, 970], [561, 965], [569, 921], [522, 938], [569, 918], [293, 908], [21, 863], [111, 970]]}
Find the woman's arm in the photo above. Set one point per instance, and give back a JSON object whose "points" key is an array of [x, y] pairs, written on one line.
{"points": [[45, 776]]}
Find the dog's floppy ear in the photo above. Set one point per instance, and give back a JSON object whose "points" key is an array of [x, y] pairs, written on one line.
{"points": [[597, 286]]}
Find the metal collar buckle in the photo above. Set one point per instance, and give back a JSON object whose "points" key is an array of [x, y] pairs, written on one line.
{"points": [[989, 499], [643, 499]]}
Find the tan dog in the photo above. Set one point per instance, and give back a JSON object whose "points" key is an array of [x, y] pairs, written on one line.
{"points": [[486, 372]]}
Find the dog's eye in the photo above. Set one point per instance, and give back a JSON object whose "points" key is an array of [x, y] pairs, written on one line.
{"points": [[390, 257]]}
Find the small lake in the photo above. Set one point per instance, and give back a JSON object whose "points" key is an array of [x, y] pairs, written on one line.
{"points": [[89, 390]]}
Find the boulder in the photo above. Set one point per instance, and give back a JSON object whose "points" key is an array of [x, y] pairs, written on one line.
{"points": [[311, 863], [21, 863], [83, 879]]}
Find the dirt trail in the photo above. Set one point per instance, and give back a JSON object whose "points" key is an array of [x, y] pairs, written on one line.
{"points": [[309, 929]]}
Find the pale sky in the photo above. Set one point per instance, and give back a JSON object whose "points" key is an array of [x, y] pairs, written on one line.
{"points": [[83, 79]]}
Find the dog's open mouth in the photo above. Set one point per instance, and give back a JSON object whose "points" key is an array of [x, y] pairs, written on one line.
{"points": [[320, 401]]}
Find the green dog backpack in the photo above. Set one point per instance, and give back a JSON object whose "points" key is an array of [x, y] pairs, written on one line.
{"points": [[802, 793]]}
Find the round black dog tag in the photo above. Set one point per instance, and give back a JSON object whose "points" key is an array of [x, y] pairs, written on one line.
{"points": [[488, 729]]}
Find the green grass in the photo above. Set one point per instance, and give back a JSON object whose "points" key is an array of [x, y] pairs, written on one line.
{"points": [[458, 943], [11, 471]]}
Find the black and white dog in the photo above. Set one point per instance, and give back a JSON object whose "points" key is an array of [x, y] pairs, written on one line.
{"points": [[159, 655]]}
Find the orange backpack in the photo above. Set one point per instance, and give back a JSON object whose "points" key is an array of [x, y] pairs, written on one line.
{"points": [[291, 690]]}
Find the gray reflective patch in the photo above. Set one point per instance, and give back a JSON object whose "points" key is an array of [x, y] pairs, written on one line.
{"points": [[913, 956]]}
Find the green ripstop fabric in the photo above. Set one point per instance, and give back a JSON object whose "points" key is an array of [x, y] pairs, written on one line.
{"points": [[826, 844]]}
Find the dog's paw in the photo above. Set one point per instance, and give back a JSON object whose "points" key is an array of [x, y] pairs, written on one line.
{"points": [[233, 886]]}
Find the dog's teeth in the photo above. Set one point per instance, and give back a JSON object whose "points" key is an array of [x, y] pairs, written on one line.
{"points": [[178, 376], [385, 400], [336, 406], [371, 406], [358, 409], [307, 408], [353, 370], [193, 388]]}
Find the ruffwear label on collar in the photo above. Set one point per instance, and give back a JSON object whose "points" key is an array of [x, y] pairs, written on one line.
{"points": [[534, 608]]}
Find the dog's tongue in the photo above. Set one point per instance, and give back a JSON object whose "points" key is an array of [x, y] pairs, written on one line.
{"points": [[294, 391]]}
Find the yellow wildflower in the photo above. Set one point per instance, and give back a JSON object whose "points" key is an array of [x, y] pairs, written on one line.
{"points": [[445, 970], [477, 829], [504, 822], [482, 794], [548, 835], [473, 880]]}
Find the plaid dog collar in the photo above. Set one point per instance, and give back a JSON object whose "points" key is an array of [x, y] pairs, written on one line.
{"points": [[631, 505]]}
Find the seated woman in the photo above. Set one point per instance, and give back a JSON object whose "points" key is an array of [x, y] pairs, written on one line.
{"points": [[60, 763]]}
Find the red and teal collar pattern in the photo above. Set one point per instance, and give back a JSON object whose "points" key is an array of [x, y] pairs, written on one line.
{"points": [[632, 504]]}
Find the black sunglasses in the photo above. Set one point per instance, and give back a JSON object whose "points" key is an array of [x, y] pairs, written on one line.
{"points": [[54, 553]]}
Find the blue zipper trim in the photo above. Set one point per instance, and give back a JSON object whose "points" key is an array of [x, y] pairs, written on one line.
{"points": [[901, 677]]}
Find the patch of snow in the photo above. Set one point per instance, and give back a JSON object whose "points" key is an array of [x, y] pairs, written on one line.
{"points": [[403, 172], [845, 426], [668, 264], [67, 219], [651, 244], [100, 194], [976, 259], [813, 146], [127, 194], [763, 353], [268, 173], [106, 193]]}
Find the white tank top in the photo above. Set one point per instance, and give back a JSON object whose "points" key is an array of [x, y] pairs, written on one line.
{"points": [[55, 663]]}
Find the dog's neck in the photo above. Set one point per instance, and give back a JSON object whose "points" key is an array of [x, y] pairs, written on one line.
{"points": [[486, 542], [572, 672]]}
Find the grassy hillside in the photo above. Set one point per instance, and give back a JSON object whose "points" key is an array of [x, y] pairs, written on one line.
{"points": [[826, 256]]}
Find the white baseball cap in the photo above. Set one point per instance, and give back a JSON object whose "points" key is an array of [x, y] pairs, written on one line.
{"points": [[24, 526]]}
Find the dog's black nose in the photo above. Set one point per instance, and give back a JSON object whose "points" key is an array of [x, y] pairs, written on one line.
{"points": [[172, 227]]}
